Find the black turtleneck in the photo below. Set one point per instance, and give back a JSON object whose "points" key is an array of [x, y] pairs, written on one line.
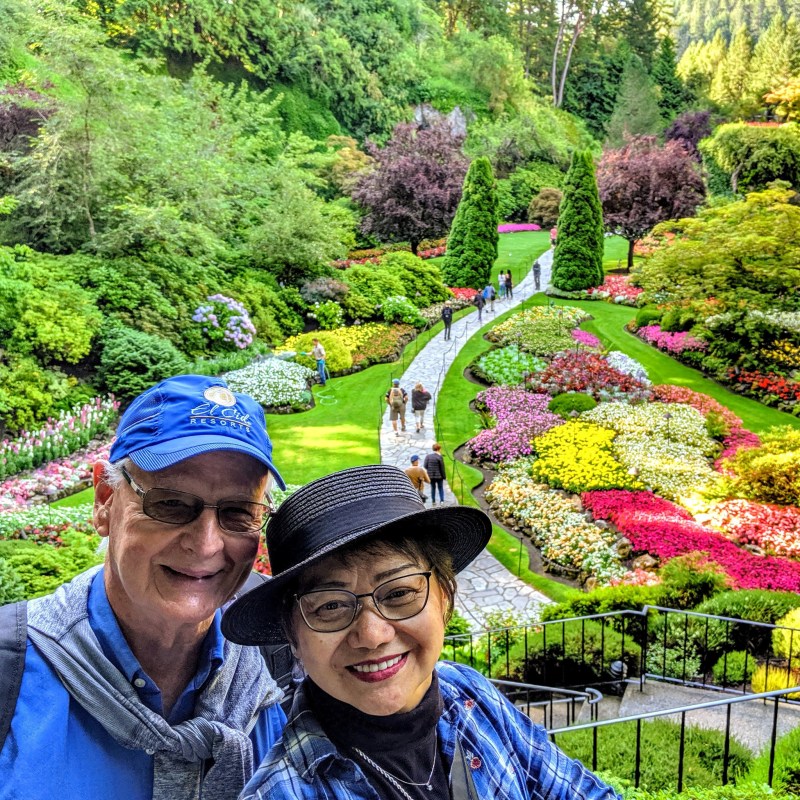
{"points": [[403, 744]]}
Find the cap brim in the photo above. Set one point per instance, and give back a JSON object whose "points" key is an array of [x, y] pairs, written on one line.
{"points": [[166, 454], [254, 618]]}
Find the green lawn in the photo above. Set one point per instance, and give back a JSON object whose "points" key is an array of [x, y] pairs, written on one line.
{"points": [[77, 499], [615, 253]]}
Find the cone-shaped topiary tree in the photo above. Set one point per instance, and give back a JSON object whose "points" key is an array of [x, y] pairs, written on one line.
{"points": [[472, 243], [578, 259]]}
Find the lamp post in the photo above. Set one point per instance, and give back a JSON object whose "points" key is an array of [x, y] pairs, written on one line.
{"points": [[668, 417]]}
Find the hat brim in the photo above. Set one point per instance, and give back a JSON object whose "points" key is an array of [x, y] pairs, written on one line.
{"points": [[254, 618], [166, 454]]}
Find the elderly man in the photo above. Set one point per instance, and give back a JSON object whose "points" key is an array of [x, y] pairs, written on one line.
{"points": [[129, 689]]}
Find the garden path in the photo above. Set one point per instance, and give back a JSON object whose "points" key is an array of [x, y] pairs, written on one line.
{"points": [[486, 586]]}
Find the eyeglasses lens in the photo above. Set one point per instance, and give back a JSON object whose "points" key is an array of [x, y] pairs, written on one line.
{"points": [[180, 508], [330, 610]]}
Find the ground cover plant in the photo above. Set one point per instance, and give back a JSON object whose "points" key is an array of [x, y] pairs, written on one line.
{"points": [[274, 383], [507, 366]]}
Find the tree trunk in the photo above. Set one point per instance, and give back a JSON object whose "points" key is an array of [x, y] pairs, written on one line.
{"points": [[414, 246], [631, 245]]}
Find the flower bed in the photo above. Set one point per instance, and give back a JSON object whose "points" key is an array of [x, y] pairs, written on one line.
{"points": [[45, 524], [775, 529], [655, 526], [591, 374], [617, 287], [464, 294], [60, 437], [541, 330], [628, 366], [554, 524], [672, 343], [507, 366], [58, 477], [768, 387], [586, 339], [274, 383], [578, 457], [519, 417]]}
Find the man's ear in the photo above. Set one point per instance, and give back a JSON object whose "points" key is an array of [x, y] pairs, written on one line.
{"points": [[103, 497]]}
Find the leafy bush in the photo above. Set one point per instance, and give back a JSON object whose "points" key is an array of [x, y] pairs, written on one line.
{"points": [[675, 646], [321, 289], [400, 309], [132, 361], [733, 669], [543, 209], [274, 383], [358, 307], [772, 678], [12, 588], [516, 192], [770, 473], [422, 280], [648, 315], [328, 314], [703, 754], [786, 643], [338, 357], [742, 791], [374, 283], [225, 322], [564, 404], [29, 394], [604, 600], [689, 580]]}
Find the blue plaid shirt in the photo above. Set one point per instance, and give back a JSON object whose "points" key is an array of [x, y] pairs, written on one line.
{"points": [[510, 756]]}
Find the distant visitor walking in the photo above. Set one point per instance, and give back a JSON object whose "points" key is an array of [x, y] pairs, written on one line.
{"points": [[434, 466], [396, 399], [489, 295], [479, 303], [420, 397], [509, 285], [537, 274], [418, 477], [501, 284], [447, 318]]}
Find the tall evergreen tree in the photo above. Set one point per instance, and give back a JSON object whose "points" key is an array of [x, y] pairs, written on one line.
{"points": [[672, 96], [472, 243], [636, 111], [578, 260], [640, 28], [731, 79], [776, 57]]}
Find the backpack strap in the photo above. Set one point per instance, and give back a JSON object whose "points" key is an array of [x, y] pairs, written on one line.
{"points": [[278, 657], [13, 641], [462, 785]]}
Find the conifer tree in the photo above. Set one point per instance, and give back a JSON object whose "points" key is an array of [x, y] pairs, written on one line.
{"points": [[578, 259], [672, 97], [732, 76], [636, 111], [472, 243]]}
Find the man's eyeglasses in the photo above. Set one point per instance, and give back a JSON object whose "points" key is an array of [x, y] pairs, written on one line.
{"points": [[180, 508], [331, 610]]}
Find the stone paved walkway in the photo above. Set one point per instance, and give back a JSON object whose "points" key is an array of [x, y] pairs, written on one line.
{"points": [[485, 586]]}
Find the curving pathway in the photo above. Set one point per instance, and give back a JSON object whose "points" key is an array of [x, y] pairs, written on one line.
{"points": [[486, 585]]}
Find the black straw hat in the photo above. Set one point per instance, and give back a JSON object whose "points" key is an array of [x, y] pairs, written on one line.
{"points": [[333, 512]]}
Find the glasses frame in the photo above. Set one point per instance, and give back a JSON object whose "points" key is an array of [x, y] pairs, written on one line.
{"points": [[269, 506], [360, 605]]}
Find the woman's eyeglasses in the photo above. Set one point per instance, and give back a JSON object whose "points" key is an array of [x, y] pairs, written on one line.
{"points": [[331, 610], [180, 508]]}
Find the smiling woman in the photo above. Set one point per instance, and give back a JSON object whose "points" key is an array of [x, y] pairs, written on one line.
{"points": [[364, 582]]}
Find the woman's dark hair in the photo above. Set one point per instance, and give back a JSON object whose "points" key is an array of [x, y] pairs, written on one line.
{"points": [[427, 547]]}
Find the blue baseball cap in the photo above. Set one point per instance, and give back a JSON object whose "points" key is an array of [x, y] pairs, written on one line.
{"points": [[415, 457], [188, 415], [396, 381]]}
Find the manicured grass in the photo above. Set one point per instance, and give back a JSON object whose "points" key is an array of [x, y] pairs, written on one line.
{"points": [[77, 499], [615, 253]]}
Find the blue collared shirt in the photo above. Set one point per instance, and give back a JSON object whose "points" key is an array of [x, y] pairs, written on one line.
{"points": [[55, 748], [511, 758]]}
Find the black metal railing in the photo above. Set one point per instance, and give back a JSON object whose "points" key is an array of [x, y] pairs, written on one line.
{"points": [[546, 702], [727, 703], [605, 650]]}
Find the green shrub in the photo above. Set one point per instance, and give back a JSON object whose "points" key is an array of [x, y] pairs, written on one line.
{"points": [[604, 600], [772, 677], [372, 282], [400, 309], [689, 580], [271, 311], [422, 280], [337, 357], [328, 314], [457, 624], [543, 209], [132, 361], [786, 643], [28, 393], [516, 192], [742, 791], [648, 315], [757, 605], [506, 366], [358, 307], [564, 404], [703, 754], [675, 646], [770, 473], [734, 668], [12, 588]]}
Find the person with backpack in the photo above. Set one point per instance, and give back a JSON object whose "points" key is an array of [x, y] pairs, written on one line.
{"points": [[122, 684], [479, 303], [420, 397], [396, 399], [489, 295], [447, 318]]}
